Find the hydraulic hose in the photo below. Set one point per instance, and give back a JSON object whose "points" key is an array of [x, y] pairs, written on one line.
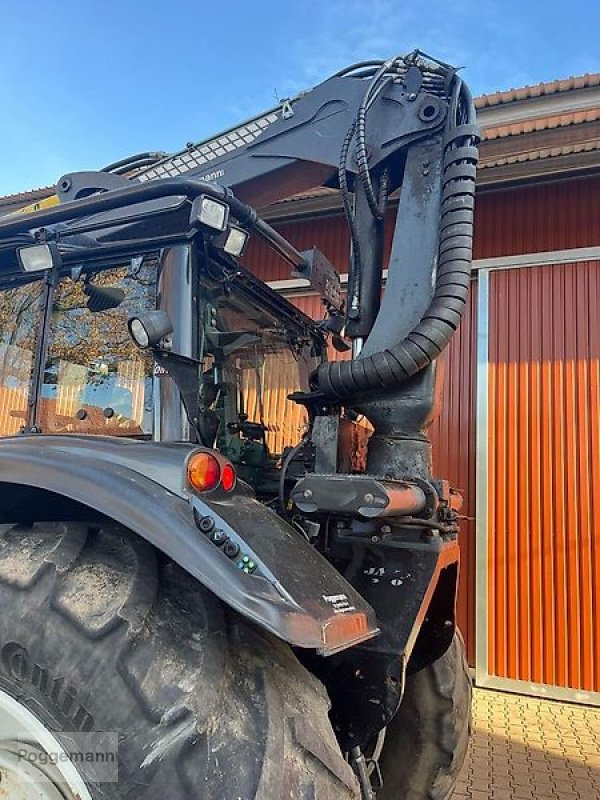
{"points": [[390, 368], [132, 162]]}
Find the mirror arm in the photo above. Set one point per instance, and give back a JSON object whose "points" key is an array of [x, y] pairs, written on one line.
{"points": [[185, 372]]}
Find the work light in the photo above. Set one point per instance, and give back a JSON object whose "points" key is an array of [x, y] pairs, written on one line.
{"points": [[148, 328], [209, 212], [38, 257], [233, 241]]}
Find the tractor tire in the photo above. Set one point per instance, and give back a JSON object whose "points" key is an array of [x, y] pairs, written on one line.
{"points": [[426, 742], [100, 632]]}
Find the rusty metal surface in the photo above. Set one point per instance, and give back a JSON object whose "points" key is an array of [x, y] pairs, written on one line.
{"points": [[453, 439], [544, 473]]}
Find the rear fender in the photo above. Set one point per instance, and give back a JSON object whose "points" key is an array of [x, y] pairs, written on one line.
{"points": [[269, 574]]}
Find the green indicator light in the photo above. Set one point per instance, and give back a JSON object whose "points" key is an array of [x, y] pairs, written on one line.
{"points": [[246, 565]]}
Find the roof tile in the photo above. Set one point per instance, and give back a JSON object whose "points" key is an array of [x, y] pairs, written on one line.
{"points": [[542, 123], [538, 90], [546, 152]]}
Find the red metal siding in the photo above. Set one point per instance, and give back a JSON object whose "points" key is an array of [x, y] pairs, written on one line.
{"points": [[528, 219], [329, 234], [531, 219], [544, 462], [310, 304], [453, 439]]}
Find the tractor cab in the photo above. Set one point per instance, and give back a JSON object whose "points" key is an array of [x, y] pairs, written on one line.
{"points": [[69, 364]]}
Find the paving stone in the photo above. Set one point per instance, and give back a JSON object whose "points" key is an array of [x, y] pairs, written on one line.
{"points": [[529, 749], [523, 793]]}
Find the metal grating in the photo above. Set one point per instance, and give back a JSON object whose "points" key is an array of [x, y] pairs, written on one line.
{"points": [[203, 154]]}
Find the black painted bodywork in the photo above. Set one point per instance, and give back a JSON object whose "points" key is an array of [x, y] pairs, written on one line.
{"points": [[142, 486]]}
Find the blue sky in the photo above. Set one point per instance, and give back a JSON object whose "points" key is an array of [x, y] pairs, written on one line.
{"points": [[85, 82]]}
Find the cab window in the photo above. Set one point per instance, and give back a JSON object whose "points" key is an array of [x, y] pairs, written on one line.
{"points": [[95, 379], [20, 317]]}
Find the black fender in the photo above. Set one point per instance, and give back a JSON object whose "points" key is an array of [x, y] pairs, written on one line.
{"points": [[288, 589]]}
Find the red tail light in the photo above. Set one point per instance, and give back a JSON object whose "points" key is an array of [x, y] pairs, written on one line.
{"points": [[205, 472], [228, 477]]}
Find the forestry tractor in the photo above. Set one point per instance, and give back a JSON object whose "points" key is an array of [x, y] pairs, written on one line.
{"points": [[226, 569]]}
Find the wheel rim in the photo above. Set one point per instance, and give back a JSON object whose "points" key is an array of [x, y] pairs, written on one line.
{"points": [[24, 773]]}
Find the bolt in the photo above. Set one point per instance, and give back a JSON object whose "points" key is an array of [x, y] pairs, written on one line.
{"points": [[307, 493], [375, 538], [386, 528]]}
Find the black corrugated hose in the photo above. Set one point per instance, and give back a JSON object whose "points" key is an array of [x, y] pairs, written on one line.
{"points": [[389, 369]]}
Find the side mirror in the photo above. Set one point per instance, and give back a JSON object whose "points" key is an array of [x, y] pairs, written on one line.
{"points": [[149, 328]]}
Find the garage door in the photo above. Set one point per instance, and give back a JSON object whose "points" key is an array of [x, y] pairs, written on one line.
{"points": [[538, 546]]}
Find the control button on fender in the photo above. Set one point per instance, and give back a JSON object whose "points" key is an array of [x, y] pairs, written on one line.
{"points": [[206, 524], [218, 537], [231, 549]]}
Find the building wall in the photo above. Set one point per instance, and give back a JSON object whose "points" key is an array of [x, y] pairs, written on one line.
{"points": [[528, 219], [525, 219], [543, 455]]}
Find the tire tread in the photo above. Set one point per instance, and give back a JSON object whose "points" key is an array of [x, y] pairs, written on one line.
{"points": [[202, 685]]}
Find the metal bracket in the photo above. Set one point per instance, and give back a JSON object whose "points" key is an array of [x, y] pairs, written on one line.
{"points": [[287, 111], [322, 276], [81, 184]]}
